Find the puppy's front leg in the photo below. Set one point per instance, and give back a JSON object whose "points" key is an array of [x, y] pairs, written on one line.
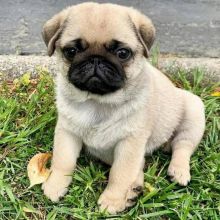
{"points": [[125, 175], [67, 148]]}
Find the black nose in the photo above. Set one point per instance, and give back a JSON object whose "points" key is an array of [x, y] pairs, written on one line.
{"points": [[96, 60], [97, 75]]}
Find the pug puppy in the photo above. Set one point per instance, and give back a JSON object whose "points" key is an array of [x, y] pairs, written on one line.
{"points": [[111, 100]]}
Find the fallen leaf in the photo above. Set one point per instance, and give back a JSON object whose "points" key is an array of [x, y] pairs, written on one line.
{"points": [[16, 81], [149, 187], [36, 169], [25, 79], [216, 92]]}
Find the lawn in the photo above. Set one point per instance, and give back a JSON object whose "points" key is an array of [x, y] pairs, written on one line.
{"points": [[27, 120]]}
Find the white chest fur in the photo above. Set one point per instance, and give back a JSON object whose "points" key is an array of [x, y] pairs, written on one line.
{"points": [[99, 126], [101, 122]]}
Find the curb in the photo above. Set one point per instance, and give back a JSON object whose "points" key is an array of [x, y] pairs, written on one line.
{"points": [[12, 66]]}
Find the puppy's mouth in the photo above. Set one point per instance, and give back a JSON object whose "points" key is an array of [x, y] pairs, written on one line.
{"points": [[97, 75]]}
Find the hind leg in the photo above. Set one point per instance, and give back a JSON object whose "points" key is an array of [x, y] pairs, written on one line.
{"points": [[186, 139]]}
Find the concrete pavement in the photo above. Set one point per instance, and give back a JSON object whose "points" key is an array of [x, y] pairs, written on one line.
{"points": [[184, 27], [13, 66]]}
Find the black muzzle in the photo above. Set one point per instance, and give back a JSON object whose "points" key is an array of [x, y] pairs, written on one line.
{"points": [[97, 75]]}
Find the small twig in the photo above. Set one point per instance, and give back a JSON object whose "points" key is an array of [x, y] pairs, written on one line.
{"points": [[5, 153]]}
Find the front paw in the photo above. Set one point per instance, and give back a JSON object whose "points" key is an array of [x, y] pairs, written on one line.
{"points": [[111, 203], [56, 186], [179, 173]]}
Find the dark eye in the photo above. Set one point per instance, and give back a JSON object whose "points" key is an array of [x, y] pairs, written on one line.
{"points": [[123, 54], [70, 52]]}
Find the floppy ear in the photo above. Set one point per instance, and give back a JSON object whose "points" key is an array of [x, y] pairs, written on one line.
{"points": [[52, 30], [144, 29]]}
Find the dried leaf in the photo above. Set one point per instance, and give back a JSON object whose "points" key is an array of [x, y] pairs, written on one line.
{"points": [[37, 171], [149, 187], [25, 79], [216, 92], [15, 81]]}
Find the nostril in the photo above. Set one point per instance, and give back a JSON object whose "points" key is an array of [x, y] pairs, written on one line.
{"points": [[96, 61]]}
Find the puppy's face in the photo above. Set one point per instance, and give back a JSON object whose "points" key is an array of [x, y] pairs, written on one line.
{"points": [[94, 67], [101, 46]]}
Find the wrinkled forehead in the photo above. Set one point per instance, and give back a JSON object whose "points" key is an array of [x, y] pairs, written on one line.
{"points": [[99, 25]]}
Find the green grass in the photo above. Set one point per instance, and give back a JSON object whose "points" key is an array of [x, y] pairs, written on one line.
{"points": [[27, 120]]}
